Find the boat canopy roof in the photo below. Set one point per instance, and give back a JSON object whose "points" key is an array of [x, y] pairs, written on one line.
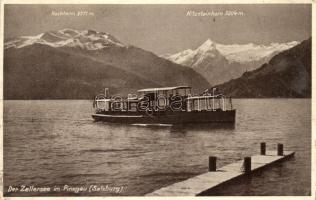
{"points": [[163, 89], [206, 97]]}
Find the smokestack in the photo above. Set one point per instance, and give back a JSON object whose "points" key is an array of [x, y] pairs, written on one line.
{"points": [[106, 92]]}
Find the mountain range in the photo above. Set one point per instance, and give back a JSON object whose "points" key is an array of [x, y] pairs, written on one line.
{"points": [[78, 64], [219, 63], [287, 74]]}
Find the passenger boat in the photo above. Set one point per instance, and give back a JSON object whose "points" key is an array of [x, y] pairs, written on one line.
{"points": [[166, 105]]}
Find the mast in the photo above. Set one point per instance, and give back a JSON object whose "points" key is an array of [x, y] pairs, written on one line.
{"points": [[213, 100]]}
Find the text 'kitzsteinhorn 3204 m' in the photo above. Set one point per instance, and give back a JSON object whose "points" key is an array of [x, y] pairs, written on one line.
{"points": [[166, 105]]}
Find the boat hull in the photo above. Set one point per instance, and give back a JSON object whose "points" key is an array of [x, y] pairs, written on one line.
{"points": [[180, 117]]}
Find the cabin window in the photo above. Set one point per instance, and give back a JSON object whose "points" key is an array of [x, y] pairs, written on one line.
{"points": [[162, 102], [195, 104], [169, 93], [133, 106], [124, 106], [181, 92], [188, 91], [103, 105], [203, 104], [116, 106], [210, 104], [189, 105]]}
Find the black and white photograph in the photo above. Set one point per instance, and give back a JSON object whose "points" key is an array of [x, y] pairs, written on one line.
{"points": [[148, 100]]}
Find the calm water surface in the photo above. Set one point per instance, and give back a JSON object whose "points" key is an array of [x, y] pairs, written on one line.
{"points": [[56, 143]]}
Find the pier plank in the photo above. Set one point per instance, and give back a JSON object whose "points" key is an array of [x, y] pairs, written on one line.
{"points": [[203, 182]]}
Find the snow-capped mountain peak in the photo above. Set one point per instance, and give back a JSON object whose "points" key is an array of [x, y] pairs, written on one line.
{"points": [[207, 46], [240, 53], [222, 62], [192, 58], [85, 39], [244, 53]]}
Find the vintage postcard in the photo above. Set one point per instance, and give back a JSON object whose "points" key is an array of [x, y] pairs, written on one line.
{"points": [[159, 99]]}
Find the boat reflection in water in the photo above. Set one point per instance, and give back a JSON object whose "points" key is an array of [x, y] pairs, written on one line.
{"points": [[202, 127], [167, 105]]}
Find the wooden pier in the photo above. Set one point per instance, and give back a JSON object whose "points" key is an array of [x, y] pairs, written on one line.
{"points": [[199, 184]]}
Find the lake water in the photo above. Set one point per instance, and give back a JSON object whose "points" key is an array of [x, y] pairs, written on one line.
{"points": [[56, 143]]}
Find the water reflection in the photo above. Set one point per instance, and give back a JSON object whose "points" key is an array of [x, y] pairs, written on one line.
{"points": [[202, 127], [59, 141]]}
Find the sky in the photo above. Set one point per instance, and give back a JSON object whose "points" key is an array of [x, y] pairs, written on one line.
{"points": [[166, 29]]}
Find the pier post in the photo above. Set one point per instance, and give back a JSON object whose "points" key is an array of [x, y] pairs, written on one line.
{"points": [[280, 149], [262, 148], [247, 164], [212, 164]]}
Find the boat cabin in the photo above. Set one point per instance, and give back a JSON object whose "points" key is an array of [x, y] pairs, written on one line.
{"points": [[177, 98], [166, 91]]}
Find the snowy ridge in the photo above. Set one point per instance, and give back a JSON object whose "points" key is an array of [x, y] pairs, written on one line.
{"points": [[85, 39], [240, 53]]}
